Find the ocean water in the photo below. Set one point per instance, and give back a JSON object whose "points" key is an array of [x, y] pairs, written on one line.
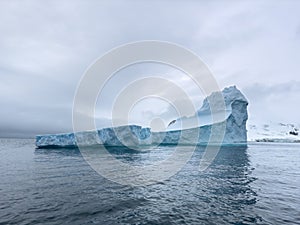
{"points": [[255, 185]]}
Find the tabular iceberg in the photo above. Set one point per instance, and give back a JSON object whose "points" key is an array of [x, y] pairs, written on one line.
{"points": [[231, 128]]}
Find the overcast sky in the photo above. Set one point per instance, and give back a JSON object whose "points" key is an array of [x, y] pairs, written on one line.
{"points": [[45, 47]]}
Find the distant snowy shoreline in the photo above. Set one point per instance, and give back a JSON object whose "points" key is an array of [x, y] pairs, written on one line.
{"points": [[274, 132]]}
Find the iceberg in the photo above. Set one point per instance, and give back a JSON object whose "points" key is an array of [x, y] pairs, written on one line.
{"points": [[227, 122]]}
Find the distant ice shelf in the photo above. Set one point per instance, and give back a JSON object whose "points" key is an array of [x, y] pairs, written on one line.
{"points": [[231, 118]]}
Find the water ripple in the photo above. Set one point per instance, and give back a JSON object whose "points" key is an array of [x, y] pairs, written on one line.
{"points": [[258, 185]]}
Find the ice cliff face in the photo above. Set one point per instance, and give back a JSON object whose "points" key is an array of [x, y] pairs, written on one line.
{"points": [[233, 104], [131, 135], [234, 124]]}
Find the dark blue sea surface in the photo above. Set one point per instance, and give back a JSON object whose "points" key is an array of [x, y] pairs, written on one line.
{"points": [[255, 185]]}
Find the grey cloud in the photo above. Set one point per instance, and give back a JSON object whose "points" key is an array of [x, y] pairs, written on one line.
{"points": [[278, 102], [259, 90]]}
